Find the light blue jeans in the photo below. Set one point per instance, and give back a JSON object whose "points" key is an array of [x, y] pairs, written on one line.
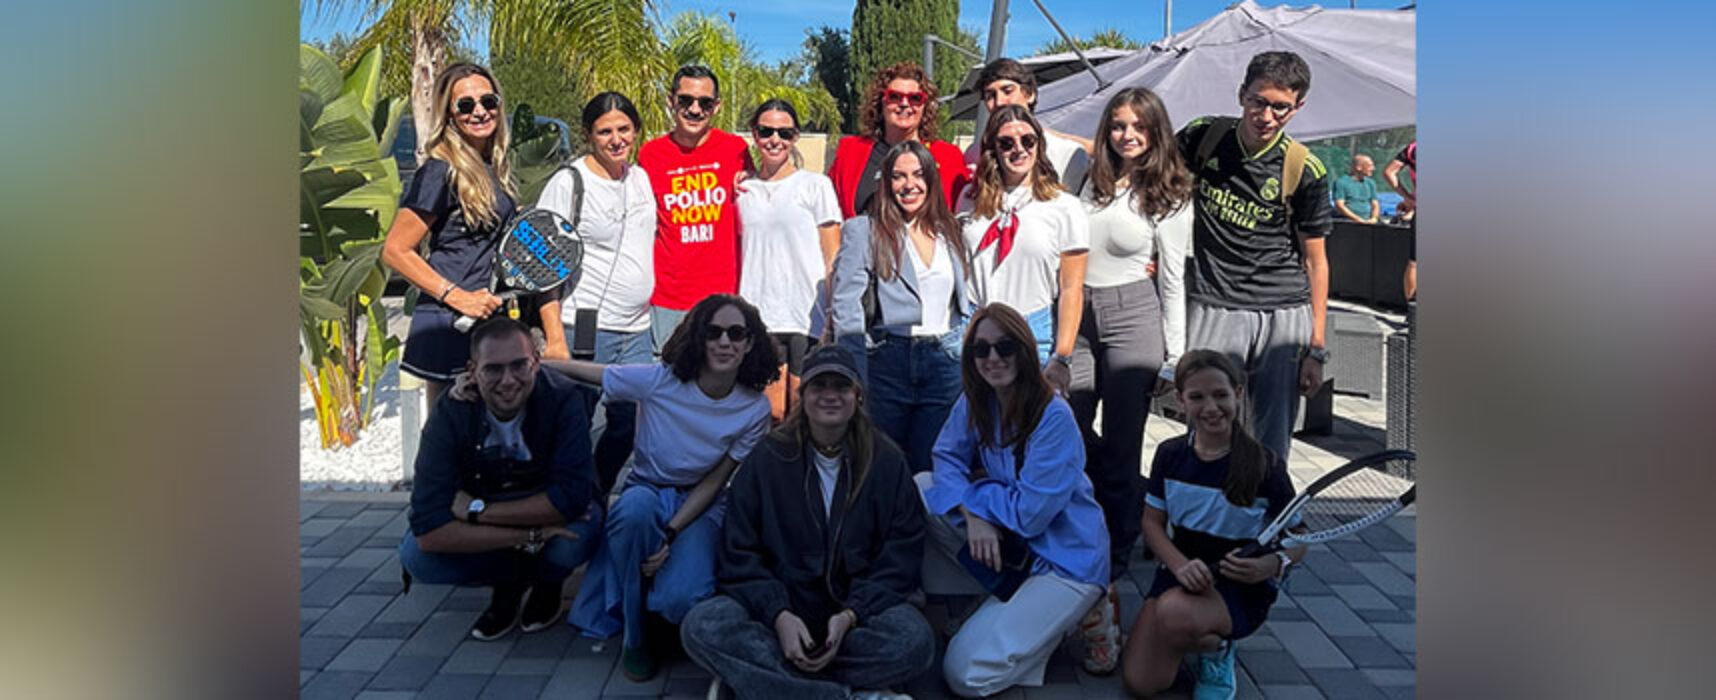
{"points": [[615, 594], [662, 321], [504, 566]]}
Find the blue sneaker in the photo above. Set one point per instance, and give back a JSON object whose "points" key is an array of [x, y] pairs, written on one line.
{"points": [[1215, 675]]}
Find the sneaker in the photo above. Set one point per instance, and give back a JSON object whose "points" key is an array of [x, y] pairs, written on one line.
{"points": [[718, 691], [501, 615], [878, 695], [638, 664], [542, 607], [1102, 635], [1215, 674]]}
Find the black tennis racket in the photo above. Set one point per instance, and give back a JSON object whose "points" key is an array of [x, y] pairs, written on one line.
{"points": [[1359, 494], [539, 251]]}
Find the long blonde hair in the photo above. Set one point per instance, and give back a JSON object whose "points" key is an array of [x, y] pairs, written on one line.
{"points": [[469, 170]]}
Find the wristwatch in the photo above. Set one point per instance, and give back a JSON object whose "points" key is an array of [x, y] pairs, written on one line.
{"points": [[1286, 563], [1064, 359], [1321, 355], [475, 509]]}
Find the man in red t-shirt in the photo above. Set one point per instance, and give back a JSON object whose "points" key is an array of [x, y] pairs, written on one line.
{"points": [[691, 172]]}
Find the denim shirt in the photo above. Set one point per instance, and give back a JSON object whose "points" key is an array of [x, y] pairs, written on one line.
{"points": [[1050, 502]]}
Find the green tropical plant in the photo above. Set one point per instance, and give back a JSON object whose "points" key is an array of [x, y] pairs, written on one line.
{"points": [[349, 191], [694, 37], [1112, 38], [537, 151]]}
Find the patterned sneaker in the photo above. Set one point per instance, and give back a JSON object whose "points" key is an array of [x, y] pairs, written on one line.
{"points": [[1102, 635], [1215, 674]]}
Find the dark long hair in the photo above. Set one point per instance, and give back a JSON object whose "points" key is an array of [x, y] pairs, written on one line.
{"points": [[1160, 182], [1248, 459], [870, 115], [990, 187], [888, 234], [1031, 391], [685, 352], [858, 444]]}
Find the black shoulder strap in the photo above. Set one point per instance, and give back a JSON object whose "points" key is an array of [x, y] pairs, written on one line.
{"points": [[1218, 129], [1077, 169]]}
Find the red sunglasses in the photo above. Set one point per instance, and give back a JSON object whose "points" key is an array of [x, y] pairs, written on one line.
{"points": [[915, 99]]}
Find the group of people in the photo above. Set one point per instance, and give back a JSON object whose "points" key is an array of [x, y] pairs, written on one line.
{"points": [[1355, 199], [949, 326]]}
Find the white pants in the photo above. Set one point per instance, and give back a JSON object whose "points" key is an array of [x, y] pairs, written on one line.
{"points": [[1006, 644]]}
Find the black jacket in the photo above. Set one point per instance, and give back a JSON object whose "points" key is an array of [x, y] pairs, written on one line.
{"points": [[556, 429], [776, 540]]}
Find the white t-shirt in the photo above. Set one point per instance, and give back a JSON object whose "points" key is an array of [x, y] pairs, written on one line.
{"points": [[1058, 150], [507, 435], [681, 432], [617, 223], [1122, 241], [828, 469], [781, 249], [935, 287], [1029, 279]]}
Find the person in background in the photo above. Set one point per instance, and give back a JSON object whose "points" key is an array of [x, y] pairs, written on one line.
{"points": [[908, 255], [691, 171], [1005, 81], [1138, 198], [821, 551], [1029, 238], [1355, 192], [900, 105], [1407, 159], [700, 411], [616, 220]]}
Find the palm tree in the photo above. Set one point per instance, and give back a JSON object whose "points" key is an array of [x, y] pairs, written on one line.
{"points": [[694, 37], [606, 43]]}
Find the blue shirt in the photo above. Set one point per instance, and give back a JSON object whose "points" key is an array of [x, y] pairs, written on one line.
{"points": [[1357, 194], [1049, 502], [681, 432]]}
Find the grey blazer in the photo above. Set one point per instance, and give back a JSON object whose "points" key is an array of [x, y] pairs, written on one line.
{"points": [[897, 302]]}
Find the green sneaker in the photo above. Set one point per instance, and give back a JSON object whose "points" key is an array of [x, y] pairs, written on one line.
{"points": [[638, 665], [1215, 675]]}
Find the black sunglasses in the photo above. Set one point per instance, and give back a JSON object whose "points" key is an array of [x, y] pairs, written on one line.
{"points": [[1006, 346], [1006, 143], [703, 103], [737, 333], [466, 105], [787, 133]]}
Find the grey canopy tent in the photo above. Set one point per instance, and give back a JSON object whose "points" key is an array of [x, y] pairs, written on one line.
{"points": [[1363, 70]]}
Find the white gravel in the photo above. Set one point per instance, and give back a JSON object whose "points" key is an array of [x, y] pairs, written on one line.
{"points": [[373, 463]]}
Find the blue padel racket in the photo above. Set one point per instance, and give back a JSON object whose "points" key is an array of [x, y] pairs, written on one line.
{"points": [[1359, 494], [539, 251]]}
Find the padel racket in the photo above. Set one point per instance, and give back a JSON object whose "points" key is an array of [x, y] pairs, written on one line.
{"points": [[1359, 494], [539, 251]]}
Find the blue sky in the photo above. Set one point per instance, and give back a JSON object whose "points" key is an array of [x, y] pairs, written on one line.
{"points": [[775, 28]]}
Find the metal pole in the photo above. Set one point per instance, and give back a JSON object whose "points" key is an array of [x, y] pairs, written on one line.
{"points": [[929, 55], [1100, 83], [997, 38], [1167, 18]]}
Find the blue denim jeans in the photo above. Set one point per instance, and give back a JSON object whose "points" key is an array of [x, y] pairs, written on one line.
{"points": [[613, 426], [911, 385], [615, 594], [662, 321], [889, 649], [504, 566], [1042, 324]]}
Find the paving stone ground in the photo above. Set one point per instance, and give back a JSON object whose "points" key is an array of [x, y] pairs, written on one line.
{"points": [[1344, 627]]}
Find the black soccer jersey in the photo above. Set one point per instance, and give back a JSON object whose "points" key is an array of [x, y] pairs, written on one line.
{"points": [[1244, 249]]}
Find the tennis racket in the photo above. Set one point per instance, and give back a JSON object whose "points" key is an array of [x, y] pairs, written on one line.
{"points": [[539, 251], [1359, 494]]}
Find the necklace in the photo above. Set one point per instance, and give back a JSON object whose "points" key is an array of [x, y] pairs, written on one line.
{"points": [[828, 451]]}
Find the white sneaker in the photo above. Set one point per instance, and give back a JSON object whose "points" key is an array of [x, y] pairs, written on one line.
{"points": [[879, 695]]}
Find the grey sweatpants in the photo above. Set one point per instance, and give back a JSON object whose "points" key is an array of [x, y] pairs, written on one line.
{"points": [[1266, 345], [883, 651]]}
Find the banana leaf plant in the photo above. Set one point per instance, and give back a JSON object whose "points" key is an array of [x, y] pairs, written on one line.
{"points": [[348, 194]]}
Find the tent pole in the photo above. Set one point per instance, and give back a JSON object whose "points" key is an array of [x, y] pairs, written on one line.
{"points": [[1167, 18], [1100, 83], [997, 38]]}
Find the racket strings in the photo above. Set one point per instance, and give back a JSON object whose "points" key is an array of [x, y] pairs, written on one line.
{"points": [[536, 256], [1355, 497]]}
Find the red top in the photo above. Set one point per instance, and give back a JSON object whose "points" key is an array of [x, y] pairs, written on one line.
{"points": [[854, 152], [696, 217]]}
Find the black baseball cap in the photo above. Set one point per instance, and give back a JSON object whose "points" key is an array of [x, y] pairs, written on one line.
{"points": [[829, 358]]}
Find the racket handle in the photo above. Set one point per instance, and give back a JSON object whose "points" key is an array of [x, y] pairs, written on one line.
{"points": [[464, 323]]}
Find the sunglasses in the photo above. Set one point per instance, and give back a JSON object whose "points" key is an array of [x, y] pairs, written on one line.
{"points": [[704, 104], [1258, 104], [1006, 143], [466, 105], [915, 99], [786, 133], [1007, 347], [737, 333]]}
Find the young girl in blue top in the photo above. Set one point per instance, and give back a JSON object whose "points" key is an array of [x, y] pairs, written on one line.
{"points": [[1007, 410], [1220, 488]]}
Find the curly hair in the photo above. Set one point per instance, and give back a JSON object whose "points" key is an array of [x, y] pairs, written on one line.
{"points": [[870, 117], [1160, 182], [686, 352]]}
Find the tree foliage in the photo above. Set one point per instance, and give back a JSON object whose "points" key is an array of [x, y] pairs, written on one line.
{"points": [[1112, 37], [885, 32], [828, 52], [705, 39]]}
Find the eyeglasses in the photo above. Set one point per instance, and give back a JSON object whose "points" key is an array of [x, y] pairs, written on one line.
{"points": [[737, 333], [1007, 347], [787, 133], [1258, 104], [915, 99], [494, 371], [704, 103], [466, 105], [1007, 144]]}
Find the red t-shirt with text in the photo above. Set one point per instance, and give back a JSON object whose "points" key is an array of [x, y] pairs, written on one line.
{"points": [[696, 217]]}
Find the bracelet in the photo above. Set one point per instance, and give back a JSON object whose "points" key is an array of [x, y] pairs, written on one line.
{"points": [[444, 291]]}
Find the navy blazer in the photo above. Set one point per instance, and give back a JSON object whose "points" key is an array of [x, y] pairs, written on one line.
{"points": [[897, 303]]}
